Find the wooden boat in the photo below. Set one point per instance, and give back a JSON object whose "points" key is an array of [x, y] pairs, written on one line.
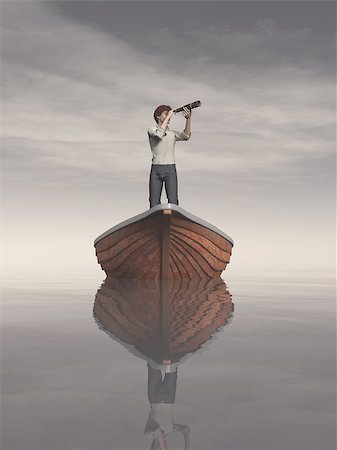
{"points": [[164, 242], [163, 321]]}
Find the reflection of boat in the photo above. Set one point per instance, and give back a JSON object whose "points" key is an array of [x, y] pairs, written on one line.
{"points": [[162, 320], [164, 242]]}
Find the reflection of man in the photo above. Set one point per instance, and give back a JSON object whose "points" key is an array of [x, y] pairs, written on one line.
{"points": [[162, 142], [161, 395]]}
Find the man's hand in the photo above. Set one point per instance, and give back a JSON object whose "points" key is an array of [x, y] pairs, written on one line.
{"points": [[187, 113]]}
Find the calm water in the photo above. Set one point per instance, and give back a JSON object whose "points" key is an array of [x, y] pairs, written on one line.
{"points": [[255, 363]]}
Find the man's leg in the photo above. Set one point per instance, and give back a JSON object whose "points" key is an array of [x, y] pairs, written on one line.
{"points": [[169, 386], [161, 390], [171, 184], [155, 186], [154, 382]]}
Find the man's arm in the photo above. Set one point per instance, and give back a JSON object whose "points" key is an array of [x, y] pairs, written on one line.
{"points": [[159, 130], [185, 430], [187, 114], [159, 441], [186, 134], [167, 118], [156, 132]]}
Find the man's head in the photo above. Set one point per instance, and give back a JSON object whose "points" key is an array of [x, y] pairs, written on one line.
{"points": [[158, 113]]}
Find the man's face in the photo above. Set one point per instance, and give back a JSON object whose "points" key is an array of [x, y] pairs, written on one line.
{"points": [[162, 117]]}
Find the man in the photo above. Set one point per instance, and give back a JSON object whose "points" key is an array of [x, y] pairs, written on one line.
{"points": [[161, 394], [162, 141]]}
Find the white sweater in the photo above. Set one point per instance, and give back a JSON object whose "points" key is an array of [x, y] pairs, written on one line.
{"points": [[161, 417], [163, 142]]}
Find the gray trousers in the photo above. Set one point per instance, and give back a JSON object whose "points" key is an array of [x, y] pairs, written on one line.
{"points": [[161, 390], [159, 174]]}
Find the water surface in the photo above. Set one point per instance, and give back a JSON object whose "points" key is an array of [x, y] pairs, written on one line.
{"points": [[256, 373]]}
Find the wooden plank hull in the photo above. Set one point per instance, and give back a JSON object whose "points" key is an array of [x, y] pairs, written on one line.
{"points": [[164, 242]]}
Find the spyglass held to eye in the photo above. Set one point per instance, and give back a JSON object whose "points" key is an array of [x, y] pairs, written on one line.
{"points": [[189, 106]]}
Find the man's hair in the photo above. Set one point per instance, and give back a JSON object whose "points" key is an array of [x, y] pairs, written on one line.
{"points": [[159, 110]]}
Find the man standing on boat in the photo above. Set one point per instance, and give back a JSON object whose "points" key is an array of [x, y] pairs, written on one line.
{"points": [[162, 141]]}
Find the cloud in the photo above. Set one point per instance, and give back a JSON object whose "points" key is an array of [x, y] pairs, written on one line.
{"points": [[263, 48], [84, 98]]}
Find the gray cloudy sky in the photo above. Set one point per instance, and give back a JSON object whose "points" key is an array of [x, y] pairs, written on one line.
{"points": [[81, 80]]}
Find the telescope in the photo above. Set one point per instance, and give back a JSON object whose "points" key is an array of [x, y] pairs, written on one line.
{"points": [[189, 106]]}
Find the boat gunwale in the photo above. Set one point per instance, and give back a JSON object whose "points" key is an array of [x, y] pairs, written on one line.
{"points": [[161, 207]]}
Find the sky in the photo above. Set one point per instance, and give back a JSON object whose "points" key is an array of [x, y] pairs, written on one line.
{"points": [[81, 80]]}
